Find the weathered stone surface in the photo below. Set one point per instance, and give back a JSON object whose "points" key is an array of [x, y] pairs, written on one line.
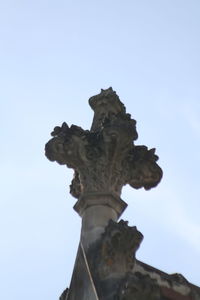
{"points": [[82, 286], [104, 158], [117, 248], [94, 220], [112, 257], [117, 275], [172, 287], [138, 287]]}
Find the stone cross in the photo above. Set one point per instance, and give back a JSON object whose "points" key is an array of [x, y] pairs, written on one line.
{"points": [[104, 159]]}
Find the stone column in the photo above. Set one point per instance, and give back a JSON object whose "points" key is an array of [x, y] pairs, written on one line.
{"points": [[96, 210]]}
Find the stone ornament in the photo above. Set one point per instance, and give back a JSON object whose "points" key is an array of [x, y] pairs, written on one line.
{"points": [[112, 257], [119, 244], [104, 158], [114, 252]]}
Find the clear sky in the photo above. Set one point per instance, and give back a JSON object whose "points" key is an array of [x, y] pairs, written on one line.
{"points": [[54, 55]]}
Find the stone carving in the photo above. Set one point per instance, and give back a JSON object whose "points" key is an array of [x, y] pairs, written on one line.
{"points": [[115, 250], [119, 244], [104, 158], [112, 257], [138, 287]]}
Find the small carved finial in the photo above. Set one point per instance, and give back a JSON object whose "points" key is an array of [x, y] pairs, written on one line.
{"points": [[105, 104], [112, 259], [105, 158], [119, 242]]}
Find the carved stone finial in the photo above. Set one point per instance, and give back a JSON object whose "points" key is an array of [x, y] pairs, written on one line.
{"points": [[112, 257], [105, 158], [105, 104], [114, 252]]}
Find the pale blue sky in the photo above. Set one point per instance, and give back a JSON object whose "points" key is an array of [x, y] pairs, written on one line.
{"points": [[54, 55]]}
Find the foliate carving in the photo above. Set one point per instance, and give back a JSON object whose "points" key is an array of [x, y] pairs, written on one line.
{"points": [[138, 287], [120, 243], [144, 172], [104, 158], [116, 249]]}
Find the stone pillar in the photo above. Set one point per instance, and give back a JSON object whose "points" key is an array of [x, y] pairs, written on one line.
{"points": [[96, 210]]}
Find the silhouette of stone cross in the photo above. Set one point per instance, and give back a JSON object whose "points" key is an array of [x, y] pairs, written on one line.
{"points": [[105, 157]]}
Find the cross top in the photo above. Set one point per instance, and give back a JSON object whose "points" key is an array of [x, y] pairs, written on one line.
{"points": [[104, 158]]}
